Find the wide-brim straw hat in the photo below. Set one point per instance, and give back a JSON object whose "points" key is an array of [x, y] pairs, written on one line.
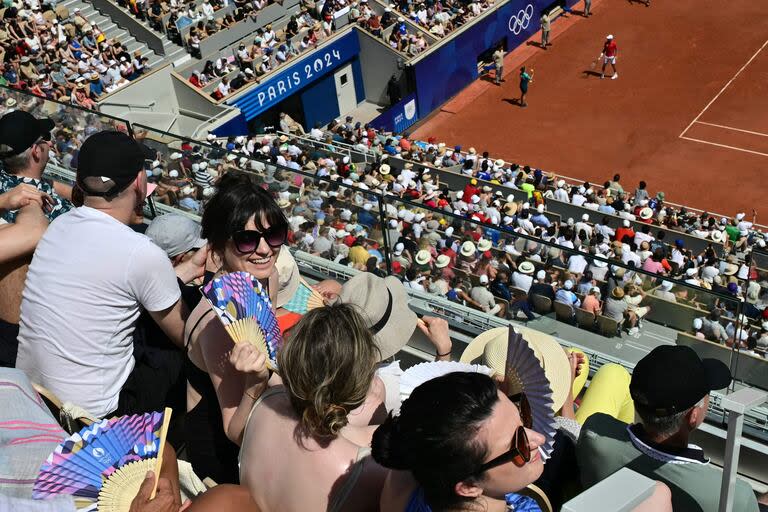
{"points": [[423, 257], [490, 349], [484, 245], [468, 249], [288, 277], [383, 302]]}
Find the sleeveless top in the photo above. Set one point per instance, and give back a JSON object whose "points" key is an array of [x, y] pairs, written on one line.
{"points": [[211, 452], [339, 498], [515, 502]]}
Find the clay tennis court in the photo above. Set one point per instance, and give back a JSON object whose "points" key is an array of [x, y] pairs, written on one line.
{"points": [[688, 113]]}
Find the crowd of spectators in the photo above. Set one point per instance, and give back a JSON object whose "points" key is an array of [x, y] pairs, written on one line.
{"points": [[441, 17], [97, 292], [399, 37], [61, 55], [271, 49], [130, 305], [434, 247]]}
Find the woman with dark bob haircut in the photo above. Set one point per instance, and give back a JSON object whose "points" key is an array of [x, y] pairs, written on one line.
{"points": [[245, 230]]}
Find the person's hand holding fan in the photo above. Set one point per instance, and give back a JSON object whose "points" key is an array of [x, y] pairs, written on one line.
{"points": [[107, 461], [243, 306]]}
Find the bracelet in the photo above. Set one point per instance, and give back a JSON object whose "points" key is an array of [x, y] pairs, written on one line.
{"points": [[255, 399], [443, 355]]}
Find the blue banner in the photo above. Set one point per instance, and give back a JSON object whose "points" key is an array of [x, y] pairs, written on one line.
{"points": [[444, 73], [399, 117], [293, 78]]}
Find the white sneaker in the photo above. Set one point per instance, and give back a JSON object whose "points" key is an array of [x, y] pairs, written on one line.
{"points": [[602, 76], [634, 331], [614, 76]]}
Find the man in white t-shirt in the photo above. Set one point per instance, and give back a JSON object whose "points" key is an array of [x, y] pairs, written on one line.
{"points": [[89, 279]]}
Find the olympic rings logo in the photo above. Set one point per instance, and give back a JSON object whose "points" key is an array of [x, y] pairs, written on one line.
{"points": [[520, 21]]}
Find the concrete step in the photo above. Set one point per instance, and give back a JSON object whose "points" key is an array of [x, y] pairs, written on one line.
{"points": [[116, 31], [136, 45]]}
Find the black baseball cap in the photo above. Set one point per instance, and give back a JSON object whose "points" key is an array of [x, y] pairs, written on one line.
{"points": [[108, 163], [672, 379], [19, 130]]}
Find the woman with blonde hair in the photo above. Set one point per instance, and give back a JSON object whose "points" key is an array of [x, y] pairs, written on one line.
{"points": [[300, 452]]}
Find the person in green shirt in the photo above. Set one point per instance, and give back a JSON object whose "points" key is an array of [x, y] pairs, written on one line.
{"points": [[525, 79], [528, 188], [670, 389], [732, 230]]}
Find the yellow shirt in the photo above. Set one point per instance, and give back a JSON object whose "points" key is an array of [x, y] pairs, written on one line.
{"points": [[358, 255]]}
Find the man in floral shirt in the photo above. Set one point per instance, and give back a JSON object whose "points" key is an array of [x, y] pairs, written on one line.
{"points": [[25, 143]]}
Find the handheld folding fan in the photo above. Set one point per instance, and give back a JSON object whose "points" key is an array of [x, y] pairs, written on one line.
{"points": [[243, 306], [524, 374], [305, 299], [106, 461]]}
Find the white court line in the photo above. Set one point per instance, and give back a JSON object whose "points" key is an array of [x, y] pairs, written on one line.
{"points": [[724, 146], [723, 89], [732, 128]]}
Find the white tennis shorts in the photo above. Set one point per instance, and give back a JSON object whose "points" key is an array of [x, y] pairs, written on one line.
{"points": [[609, 60]]}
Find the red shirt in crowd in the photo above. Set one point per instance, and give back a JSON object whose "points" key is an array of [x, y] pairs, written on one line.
{"points": [[622, 232], [469, 191]]}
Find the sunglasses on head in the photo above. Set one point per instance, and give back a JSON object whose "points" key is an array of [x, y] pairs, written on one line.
{"points": [[247, 240]]}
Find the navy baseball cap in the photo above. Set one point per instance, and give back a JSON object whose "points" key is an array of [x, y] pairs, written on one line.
{"points": [[19, 130], [108, 162], [672, 379]]}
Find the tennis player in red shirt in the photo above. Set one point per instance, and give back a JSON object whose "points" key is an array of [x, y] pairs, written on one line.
{"points": [[609, 54]]}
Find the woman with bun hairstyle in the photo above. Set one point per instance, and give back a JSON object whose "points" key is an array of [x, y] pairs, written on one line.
{"points": [[300, 453], [458, 444]]}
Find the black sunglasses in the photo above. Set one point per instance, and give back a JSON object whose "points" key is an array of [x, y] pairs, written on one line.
{"points": [[248, 240]]}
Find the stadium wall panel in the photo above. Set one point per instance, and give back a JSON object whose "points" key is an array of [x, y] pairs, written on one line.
{"points": [[452, 66]]}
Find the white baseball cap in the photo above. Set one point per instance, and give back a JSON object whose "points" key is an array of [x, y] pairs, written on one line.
{"points": [[609, 36]]}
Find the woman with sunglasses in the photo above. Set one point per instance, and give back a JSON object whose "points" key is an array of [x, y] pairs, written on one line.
{"points": [[459, 444], [245, 229]]}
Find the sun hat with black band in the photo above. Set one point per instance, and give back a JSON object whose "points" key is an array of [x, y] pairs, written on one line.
{"points": [[383, 302], [19, 130], [110, 156], [672, 378]]}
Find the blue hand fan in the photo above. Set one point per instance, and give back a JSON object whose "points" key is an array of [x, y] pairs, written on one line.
{"points": [[243, 306], [106, 461], [305, 299]]}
